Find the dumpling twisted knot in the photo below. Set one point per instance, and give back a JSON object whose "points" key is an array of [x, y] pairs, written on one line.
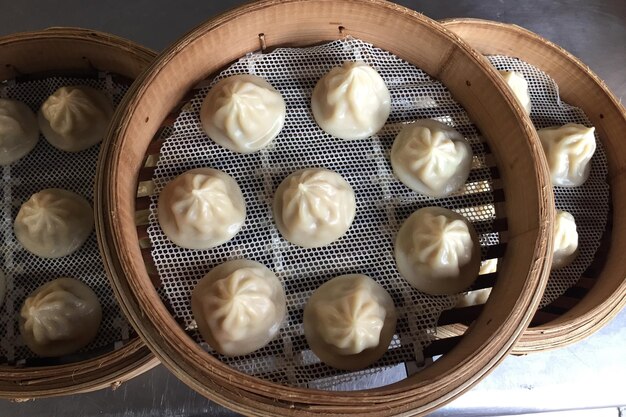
{"points": [[51, 315], [352, 320], [67, 109], [314, 207], [201, 209], [351, 101], [239, 303], [431, 158], [243, 113], [569, 150], [442, 245], [238, 306], [54, 223], [203, 203], [60, 317]]}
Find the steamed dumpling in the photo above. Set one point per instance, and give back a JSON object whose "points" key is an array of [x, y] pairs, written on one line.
{"points": [[239, 307], [53, 223], [431, 158], [60, 317], [480, 296], [437, 251], [314, 207], [518, 84], [351, 101], [19, 132], [243, 113], [565, 240], [201, 209], [75, 118], [568, 149], [349, 321]]}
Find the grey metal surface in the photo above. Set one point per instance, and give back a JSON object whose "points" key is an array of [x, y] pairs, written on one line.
{"points": [[586, 375]]}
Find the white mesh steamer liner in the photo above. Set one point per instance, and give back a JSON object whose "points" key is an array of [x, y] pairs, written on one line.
{"points": [[588, 203], [383, 203], [48, 167]]}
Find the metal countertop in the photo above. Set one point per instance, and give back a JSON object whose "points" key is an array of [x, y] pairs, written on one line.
{"points": [[587, 375]]}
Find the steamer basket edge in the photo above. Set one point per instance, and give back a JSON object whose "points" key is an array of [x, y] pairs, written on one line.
{"points": [[607, 296], [141, 122], [58, 50]]}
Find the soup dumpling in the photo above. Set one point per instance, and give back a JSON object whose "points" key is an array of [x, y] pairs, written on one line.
{"points": [[54, 223], [565, 240], [569, 149], [351, 101], [201, 209], [431, 158], [19, 132], [314, 207], [75, 118], [349, 321], [239, 307], [60, 317], [437, 251], [518, 84], [243, 113]]}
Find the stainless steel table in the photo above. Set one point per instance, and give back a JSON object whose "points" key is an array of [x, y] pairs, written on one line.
{"points": [[588, 375]]}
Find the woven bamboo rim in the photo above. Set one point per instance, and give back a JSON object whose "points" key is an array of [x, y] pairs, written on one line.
{"points": [[529, 206], [73, 51], [601, 292]]}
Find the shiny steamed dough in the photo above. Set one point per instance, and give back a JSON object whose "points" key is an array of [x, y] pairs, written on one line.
{"points": [[565, 240], [437, 251], [201, 209], [518, 84], [314, 207], [431, 158], [243, 113], [239, 307], [75, 118], [19, 132], [480, 296], [349, 321], [60, 317], [351, 101], [54, 223], [569, 149]]}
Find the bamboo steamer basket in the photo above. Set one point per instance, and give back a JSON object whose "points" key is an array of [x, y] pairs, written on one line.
{"points": [[72, 51], [527, 212], [601, 292]]}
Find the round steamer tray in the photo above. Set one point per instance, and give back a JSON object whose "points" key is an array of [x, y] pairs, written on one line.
{"points": [[71, 51], [526, 207], [601, 291]]}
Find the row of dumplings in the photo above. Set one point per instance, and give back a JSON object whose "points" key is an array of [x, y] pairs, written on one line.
{"points": [[239, 307], [244, 113], [72, 119], [63, 315], [204, 208]]}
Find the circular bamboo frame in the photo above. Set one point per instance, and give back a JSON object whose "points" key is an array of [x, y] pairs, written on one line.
{"points": [[58, 51], [602, 294], [529, 205]]}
